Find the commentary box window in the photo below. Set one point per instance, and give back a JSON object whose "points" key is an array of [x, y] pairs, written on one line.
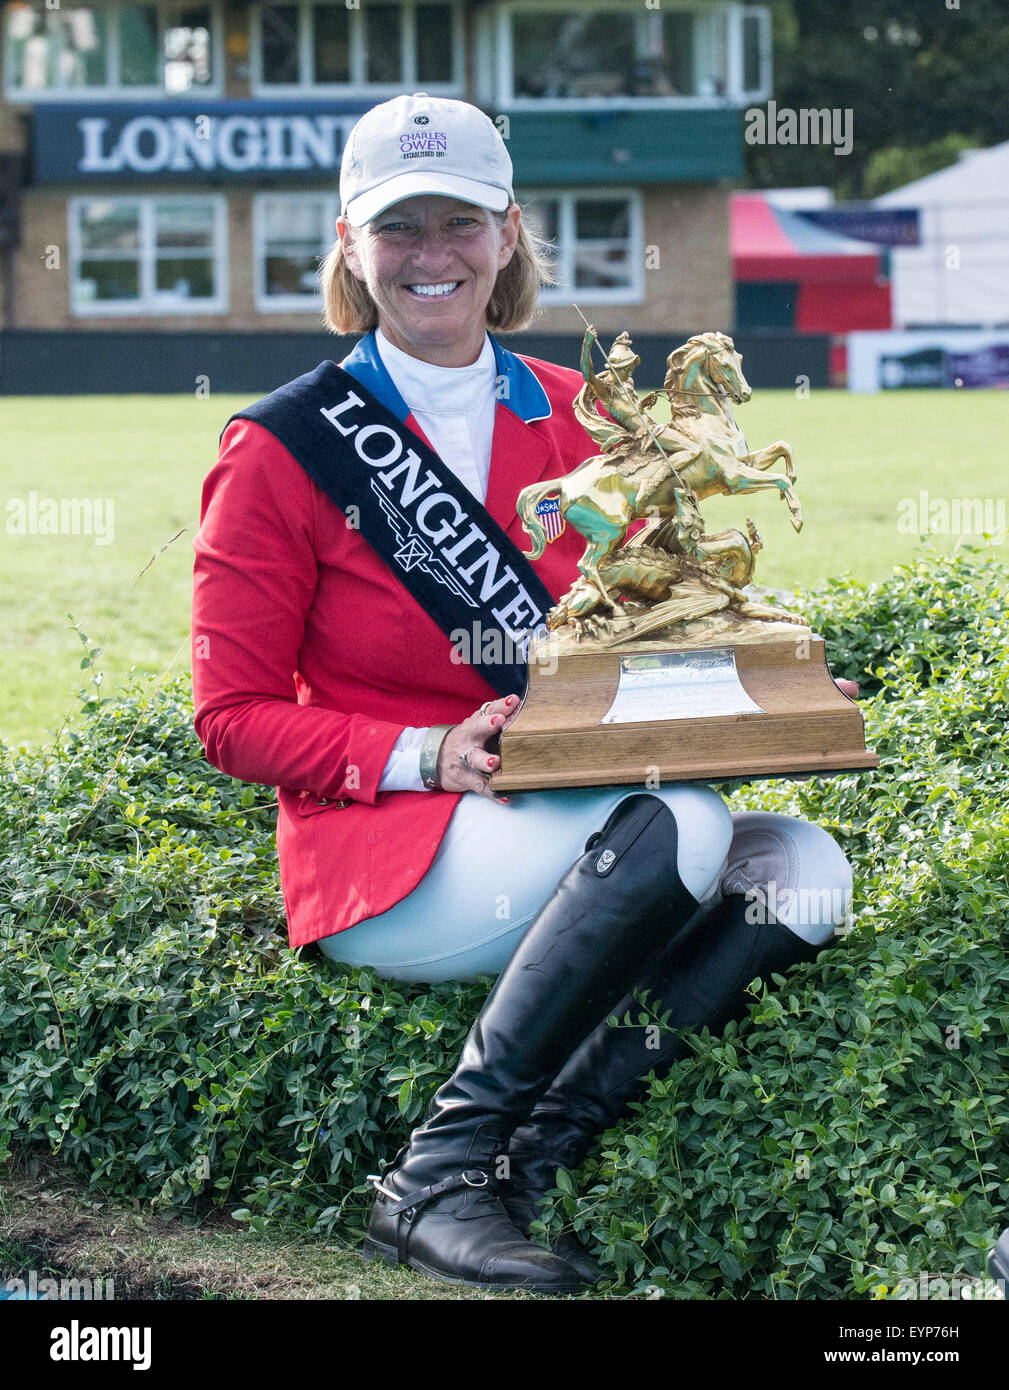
{"points": [[111, 50]]}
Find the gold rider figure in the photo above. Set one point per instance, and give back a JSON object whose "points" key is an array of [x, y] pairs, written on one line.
{"points": [[640, 443]]}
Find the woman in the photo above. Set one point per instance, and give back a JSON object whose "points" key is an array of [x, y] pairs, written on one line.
{"points": [[324, 666]]}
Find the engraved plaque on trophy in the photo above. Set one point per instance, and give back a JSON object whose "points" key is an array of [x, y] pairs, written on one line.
{"points": [[656, 661]]}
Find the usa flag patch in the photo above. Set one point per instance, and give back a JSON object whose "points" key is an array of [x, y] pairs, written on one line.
{"points": [[549, 513]]}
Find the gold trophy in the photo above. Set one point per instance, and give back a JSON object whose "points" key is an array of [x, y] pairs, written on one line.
{"points": [[656, 666]]}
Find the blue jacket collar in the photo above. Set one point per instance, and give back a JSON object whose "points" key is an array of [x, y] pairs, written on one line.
{"points": [[365, 363], [523, 394], [520, 391]]}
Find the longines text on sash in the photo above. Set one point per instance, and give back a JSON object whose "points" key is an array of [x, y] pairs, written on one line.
{"points": [[437, 515]]}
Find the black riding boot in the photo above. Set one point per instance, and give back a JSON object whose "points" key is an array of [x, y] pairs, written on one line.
{"points": [[701, 979], [437, 1208]]}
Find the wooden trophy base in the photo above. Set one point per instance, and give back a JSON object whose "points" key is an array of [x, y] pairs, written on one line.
{"points": [[804, 724]]}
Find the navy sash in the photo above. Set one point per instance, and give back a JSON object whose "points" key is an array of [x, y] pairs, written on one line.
{"points": [[430, 530]]}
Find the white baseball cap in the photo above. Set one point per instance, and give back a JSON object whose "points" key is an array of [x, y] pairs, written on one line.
{"points": [[421, 144]]}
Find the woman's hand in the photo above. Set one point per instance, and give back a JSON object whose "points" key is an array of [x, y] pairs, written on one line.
{"points": [[469, 740]]}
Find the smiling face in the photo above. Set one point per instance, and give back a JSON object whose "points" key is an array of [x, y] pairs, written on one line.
{"points": [[430, 264]]}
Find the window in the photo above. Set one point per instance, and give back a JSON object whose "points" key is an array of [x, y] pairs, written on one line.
{"points": [[279, 44], [378, 46], [331, 44], [383, 41], [148, 255], [128, 50], [598, 241], [680, 52], [755, 58], [291, 234], [573, 55], [598, 50]]}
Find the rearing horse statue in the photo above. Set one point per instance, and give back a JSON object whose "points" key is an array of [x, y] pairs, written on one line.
{"points": [[654, 470]]}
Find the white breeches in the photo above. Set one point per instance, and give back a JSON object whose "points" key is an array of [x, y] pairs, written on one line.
{"points": [[497, 865]]}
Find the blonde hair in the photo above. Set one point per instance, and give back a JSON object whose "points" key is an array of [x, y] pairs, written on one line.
{"points": [[349, 308]]}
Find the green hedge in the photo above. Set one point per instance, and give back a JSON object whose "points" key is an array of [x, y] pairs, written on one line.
{"points": [[159, 1035]]}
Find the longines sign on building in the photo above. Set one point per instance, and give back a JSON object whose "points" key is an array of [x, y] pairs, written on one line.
{"points": [[181, 141]]}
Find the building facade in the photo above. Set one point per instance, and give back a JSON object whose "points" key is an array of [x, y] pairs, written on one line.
{"points": [[172, 165]]}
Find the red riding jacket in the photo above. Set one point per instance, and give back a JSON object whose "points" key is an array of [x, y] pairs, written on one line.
{"points": [[310, 657]]}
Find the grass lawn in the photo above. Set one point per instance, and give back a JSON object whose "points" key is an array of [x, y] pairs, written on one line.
{"points": [[856, 457], [52, 1223]]}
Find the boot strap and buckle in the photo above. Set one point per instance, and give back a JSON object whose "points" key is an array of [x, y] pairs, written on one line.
{"points": [[376, 1182], [408, 1206]]}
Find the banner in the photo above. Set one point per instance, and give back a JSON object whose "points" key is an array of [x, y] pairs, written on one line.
{"points": [[882, 226], [183, 141], [950, 358]]}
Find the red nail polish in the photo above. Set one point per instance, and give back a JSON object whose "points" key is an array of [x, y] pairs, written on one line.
{"points": [[494, 719]]}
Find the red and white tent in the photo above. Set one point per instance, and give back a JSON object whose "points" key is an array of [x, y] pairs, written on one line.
{"points": [[814, 280]]}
